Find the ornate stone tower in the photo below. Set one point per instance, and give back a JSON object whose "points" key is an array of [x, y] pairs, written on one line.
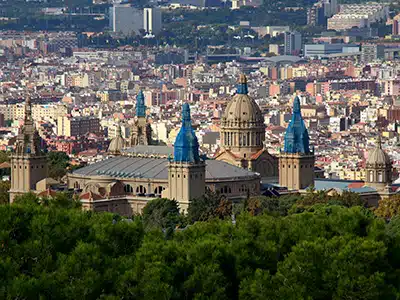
{"points": [[186, 171], [141, 130], [243, 134], [296, 162], [378, 167], [28, 162]]}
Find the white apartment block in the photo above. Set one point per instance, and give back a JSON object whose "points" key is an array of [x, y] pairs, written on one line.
{"points": [[152, 20], [357, 15]]}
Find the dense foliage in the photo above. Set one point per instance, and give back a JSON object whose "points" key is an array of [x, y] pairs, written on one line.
{"points": [[297, 248], [58, 164]]}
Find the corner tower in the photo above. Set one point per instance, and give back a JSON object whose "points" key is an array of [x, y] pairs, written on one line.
{"points": [[29, 161], [296, 162], [378, 167], [141, 129], [186, 171], [243, 134]]}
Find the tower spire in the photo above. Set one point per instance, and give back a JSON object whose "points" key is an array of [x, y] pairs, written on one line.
{"points": [[379, 141], [186, 147], [28, 109], [140, 106], [242, 85], [296, 136]]}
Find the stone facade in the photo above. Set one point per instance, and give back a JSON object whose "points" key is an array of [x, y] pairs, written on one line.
{"points": [[378, 170], [296, 161], [296, 171], [28, 162], [243, 135], [141, 129]]}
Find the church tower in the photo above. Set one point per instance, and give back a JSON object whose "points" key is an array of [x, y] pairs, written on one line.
{"points": [[378, 167], [296, 162], [186, 171], [141, 129], [243, 134], [29, 161]]}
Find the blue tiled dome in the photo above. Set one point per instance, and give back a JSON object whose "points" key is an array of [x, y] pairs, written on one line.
{"points": [[296, 136], [140, 107], [186, 147]]}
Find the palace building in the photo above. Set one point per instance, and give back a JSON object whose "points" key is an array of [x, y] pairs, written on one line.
{"points": [[243, 135], [131, 177]]}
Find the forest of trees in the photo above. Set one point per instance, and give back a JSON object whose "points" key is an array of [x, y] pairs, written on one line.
{"points": [[295, 247]]}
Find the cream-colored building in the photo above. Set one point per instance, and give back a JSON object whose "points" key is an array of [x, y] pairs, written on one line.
{"points": [[126, 182], [39, 111], [296, 161], [243, 135], [28, 162]]}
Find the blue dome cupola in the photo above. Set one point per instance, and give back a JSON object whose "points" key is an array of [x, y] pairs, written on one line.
{"points": [[296, 136], [140, 107], [186, 147], [241, 87]]}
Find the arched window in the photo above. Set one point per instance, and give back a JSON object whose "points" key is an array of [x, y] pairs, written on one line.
{"points": [[76, 185], [128, 189], [380, 177], [226, 190], [140, 190], [371, 176], [158, 190]]}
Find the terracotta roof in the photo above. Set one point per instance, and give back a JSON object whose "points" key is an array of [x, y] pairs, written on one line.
{"points": [[90, 196], [356, 185], [47, 193], [257, 154], [5, 165]]}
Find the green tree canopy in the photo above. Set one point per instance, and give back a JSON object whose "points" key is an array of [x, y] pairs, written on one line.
{"points": [[52, 249]]}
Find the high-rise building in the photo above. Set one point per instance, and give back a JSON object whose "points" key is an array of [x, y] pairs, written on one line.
{"points": [[152, 20], [186, 171], [77, 126], [316, 15], [395, 25], [28, 162], [296, 161], [293, 43], [126, 19], [371, 52]]}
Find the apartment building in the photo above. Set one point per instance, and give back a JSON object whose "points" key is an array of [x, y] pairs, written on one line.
{"points": [[77, 126]]}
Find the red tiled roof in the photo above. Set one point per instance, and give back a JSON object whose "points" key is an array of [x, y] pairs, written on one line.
{"points": [[257, 154], [5, 165], [47, 193], [356, 185], [90, 196]]}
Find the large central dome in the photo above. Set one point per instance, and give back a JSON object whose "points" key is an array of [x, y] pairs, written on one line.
{"points": [[242, 108], [377, 156], [242, 125]]}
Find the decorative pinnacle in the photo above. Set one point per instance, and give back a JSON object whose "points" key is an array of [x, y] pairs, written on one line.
{"points": [[379, 141], [242, 79]]}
